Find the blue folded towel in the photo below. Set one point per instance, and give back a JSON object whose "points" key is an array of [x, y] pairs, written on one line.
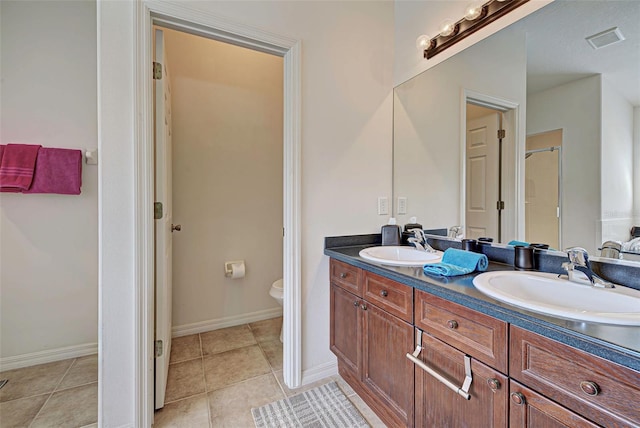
{"points": [[458, 262], [518, 243]]}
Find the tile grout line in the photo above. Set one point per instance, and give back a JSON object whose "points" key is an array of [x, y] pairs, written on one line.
{"points": [[204, 379], [52, 392]]}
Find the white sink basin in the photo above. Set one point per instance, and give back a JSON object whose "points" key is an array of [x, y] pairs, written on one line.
{"points": [[400, 256], [548, 294]]}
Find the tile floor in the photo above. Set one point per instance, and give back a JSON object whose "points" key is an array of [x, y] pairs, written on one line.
{"points": [[215, 378], [59, 394]]}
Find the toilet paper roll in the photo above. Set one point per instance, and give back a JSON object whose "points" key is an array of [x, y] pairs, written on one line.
{"points": [[234, 269]]}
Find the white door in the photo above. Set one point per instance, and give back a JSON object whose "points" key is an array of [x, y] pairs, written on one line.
{"points": [[164, 228], [482, 177]]}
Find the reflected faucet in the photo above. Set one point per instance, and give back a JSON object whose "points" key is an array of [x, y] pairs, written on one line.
{"points": [[455, 232], [579, 261], [611, 249], [419, 240]]}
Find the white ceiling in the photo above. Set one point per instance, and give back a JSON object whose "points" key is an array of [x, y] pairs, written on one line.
{"points": [[558, 53]]}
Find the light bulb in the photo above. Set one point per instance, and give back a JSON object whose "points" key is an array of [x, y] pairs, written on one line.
{"points": [[447, 28], [473, 11], [423, 42]]}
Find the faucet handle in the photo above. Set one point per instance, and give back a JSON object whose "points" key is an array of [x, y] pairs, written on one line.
{"points": [[418, 233], [578, 256]]}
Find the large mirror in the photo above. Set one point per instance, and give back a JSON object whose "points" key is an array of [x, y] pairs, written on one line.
{"points": [[565, 170]]}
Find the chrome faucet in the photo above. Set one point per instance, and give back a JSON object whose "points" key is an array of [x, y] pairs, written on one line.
{"points": [[419, 240], [579, 261], [455, 232], [611, 249]]}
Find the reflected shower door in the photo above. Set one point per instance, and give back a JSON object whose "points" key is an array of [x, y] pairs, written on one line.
{"points": [[542, 189]]}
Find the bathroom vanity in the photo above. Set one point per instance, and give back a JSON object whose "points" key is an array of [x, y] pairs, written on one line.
{"points": [[476, 362]]}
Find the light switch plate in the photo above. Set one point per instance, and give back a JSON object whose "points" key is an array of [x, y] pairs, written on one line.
{"points": [[402, 205], [383, 205]]}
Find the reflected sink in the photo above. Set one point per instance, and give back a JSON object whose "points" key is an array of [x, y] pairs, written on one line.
{"points": [[548, 294], [400, 256]]}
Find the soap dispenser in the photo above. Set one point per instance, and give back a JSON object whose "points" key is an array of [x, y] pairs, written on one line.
{"points": [[391, 233], [413, 224]]}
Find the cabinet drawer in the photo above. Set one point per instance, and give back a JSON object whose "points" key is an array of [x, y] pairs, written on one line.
{"points": [[472, 332], [389, 295], [528, 409], [345, 276], [600, 390], [438, 406]]}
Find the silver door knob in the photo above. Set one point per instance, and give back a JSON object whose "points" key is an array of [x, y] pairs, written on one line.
{"points": [[176, 228]]}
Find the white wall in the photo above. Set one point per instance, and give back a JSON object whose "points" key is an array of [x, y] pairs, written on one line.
{"points": [[347, 57], [616, 164], [49, 243], [416, 17], [636, 166], [576, 109], [227, 106], [427, 123]]}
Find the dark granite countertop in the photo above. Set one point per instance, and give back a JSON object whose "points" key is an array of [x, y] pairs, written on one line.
{"points": [[619, 344]]}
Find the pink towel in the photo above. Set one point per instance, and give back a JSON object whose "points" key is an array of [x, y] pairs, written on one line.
{"points": [[58, 171], [17, 167]]}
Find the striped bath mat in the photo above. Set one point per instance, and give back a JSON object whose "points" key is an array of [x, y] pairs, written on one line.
{"points": [[322, 407]]}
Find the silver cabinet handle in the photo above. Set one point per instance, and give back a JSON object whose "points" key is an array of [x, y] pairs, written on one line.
{"points": [[176, 228], [463, 390]]}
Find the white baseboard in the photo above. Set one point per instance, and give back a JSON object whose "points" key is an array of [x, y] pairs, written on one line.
{"points": [[204, 326], [49, 356], [319, 372]]}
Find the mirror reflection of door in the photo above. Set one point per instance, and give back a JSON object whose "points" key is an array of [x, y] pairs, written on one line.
{"points": [[482, 172], [542, 188]]}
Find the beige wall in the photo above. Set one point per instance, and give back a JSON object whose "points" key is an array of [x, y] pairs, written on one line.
{"points": [[227, 106], [49, 243]]}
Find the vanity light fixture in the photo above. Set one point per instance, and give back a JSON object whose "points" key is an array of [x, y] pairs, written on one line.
{"points": [[473, 11], [476, 16]]}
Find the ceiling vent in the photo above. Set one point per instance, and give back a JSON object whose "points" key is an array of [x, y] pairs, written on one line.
{"points": [[605, 38]]}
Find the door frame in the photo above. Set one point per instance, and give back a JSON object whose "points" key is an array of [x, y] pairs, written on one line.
{"points": [[176, 16], [513, 175]]}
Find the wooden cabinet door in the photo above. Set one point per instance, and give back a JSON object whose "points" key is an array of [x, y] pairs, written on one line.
{"points": [[530, 409], [438, 406], [346, 328], [386, 371]]}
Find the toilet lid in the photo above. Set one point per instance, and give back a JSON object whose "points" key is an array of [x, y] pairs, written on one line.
{"points": [[277, 284]]}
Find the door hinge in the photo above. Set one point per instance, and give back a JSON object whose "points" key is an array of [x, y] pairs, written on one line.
{"points": [[500, 205], [502, 133], [157, 71], [157, 210], [158, 348]]}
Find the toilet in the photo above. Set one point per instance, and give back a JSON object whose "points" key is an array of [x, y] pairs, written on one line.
{"points": [[277, 292]]}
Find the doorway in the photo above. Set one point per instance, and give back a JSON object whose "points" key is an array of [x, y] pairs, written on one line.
{"points": [[543, 188], [183, 18], [489, 180], [219, 118]]}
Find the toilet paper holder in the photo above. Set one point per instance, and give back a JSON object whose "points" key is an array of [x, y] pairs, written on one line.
{"points": [[234, 269]]}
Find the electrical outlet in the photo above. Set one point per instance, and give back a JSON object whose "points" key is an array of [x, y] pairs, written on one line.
{"points": [[402, 205], [383, 205]]}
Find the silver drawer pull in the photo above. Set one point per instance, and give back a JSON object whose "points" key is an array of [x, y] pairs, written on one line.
{"points": [[463, 390]]}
